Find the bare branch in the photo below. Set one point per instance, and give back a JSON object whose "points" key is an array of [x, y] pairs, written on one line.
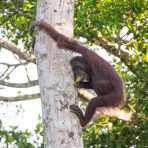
{"points": [[8, 73], [10, 68], [19, 85], [27, 73], [111, 48], [4, 73], [112, 112], [20, 98], [14, 65], [14, 49], [116, 51], [25, 67], [85, 94]]}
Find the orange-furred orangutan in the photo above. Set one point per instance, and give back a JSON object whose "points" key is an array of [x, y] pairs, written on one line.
{"points": [[94, 73]]}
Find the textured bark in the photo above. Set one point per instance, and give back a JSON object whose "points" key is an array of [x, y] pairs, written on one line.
{"points": [[61, 128]]}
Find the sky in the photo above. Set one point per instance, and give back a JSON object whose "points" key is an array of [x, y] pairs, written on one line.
{"points": [[23, 114]]}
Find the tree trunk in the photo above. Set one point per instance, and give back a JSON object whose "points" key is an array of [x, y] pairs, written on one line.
{"points": [[61, 128]]}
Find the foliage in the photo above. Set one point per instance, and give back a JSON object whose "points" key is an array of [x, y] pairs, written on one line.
{"points": [[15, 17], [121, 22], [13, 137], [117, 134]]}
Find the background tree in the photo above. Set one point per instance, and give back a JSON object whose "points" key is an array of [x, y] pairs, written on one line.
{"points": [[119, 27]]}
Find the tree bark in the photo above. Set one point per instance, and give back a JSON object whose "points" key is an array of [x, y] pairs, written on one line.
{"points": [[61, 128]]}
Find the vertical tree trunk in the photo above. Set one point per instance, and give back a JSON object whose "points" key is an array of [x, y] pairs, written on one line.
{"points": [[61, 128]]}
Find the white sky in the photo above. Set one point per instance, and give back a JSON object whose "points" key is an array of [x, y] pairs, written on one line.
{"points": [[28, 115]]}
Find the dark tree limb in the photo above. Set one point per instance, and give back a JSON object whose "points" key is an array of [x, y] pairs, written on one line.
{"points": [[19, 85], [20, 98]]}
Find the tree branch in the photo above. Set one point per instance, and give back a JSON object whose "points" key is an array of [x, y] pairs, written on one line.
{"points": [[20, 98], [10, 68], [13, 65], [19, 85], [111, 48], [14, 49], [112, 112]]}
